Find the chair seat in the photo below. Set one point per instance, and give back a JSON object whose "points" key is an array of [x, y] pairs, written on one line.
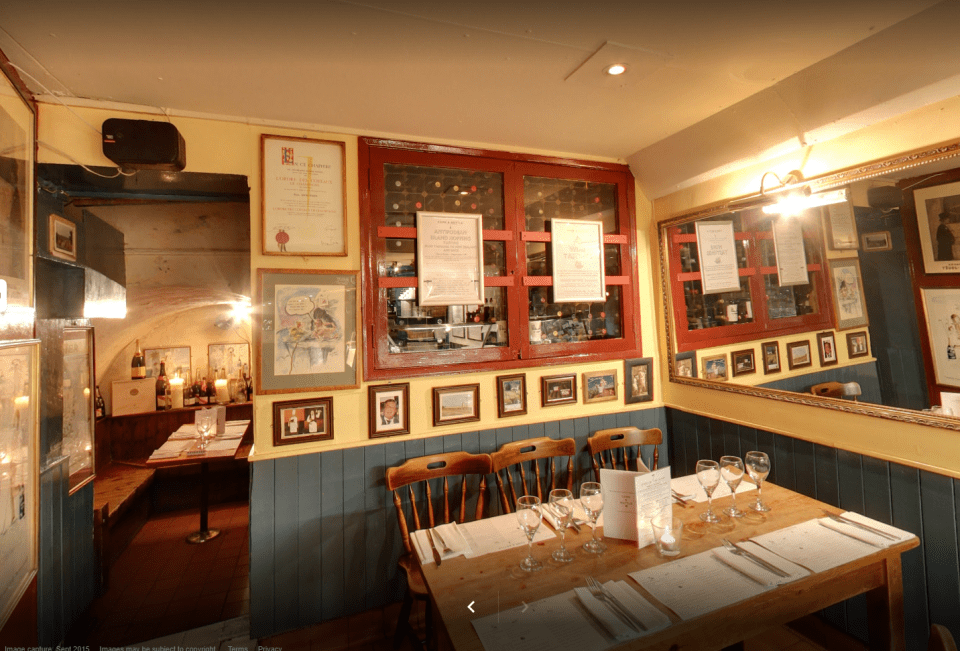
{"points": [[415, 581]]}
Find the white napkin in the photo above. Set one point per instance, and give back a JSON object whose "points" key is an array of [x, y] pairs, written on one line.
{"points": [[651, 617], [160, 454], [751, 569], [444, 533], [578, 514], [604, 614], [866, 536]]}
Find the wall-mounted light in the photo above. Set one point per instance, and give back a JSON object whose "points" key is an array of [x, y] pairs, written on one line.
{"points": [[795, 196]]}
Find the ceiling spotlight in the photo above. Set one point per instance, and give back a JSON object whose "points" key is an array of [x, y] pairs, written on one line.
{"points": [[616, 69]]}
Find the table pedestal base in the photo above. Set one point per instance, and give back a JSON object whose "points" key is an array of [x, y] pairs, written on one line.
{"points": [[202, 536]]}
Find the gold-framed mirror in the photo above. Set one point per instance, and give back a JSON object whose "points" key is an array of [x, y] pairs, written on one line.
{"points": [[836, 307]]}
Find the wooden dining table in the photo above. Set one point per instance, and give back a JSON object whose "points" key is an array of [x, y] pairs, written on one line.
{"points": [[494, 583]]}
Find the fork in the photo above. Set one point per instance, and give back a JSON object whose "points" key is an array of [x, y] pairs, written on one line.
{"points": [[443, 543], [600, 592]]}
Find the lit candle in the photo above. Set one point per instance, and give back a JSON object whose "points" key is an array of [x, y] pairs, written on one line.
{"points": [[176, 392], [223, 396], [668, 543]]}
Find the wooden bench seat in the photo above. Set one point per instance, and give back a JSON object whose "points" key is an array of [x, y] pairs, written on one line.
{"points": [[118, 485]]}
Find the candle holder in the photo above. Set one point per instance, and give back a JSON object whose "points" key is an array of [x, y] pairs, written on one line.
{"points": [[667, 532]]}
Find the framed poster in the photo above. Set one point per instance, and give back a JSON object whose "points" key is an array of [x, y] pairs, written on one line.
{"points": [[63, 238], [942, 310], [459, 404], [389, 410], [303, 188], [231, 357], [78, 404], [877, 241], [718, 257], [715, 368], [827, 347], [686, 364], [176, 360], [302, 421], [770, 351], [799, 355], [857, 344], [511, 395], [558, 390], [849, 305], [19, 471], [600, 386], [576, 247], [449, 259], [306, 333], [843, 226], [743, 362], [791, 255], [638, 379], [938, 218]]}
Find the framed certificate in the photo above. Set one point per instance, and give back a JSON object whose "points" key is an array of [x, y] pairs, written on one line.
{"points": [[791, 256], [449, 259], [576, 247], [718, 257], [303, 189]]}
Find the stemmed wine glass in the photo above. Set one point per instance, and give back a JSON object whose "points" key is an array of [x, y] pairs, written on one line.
{"points": [[731, 470], [592, 499], [203, 421], [561, 501], [528, 513], [758, 467], [708, 474]]}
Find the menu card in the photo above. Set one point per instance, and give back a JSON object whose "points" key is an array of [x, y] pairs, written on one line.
{"points": [[630, 499], [718, 257]]}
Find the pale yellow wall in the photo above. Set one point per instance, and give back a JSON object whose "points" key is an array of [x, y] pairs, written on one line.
{"points": [[231, 147], [915, 445]]}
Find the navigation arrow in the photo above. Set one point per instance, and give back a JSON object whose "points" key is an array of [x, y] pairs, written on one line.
{"points": [[470, 608], [525, 606]]}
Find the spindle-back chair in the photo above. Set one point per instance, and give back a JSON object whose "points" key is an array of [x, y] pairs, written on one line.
{"points": [[606, 443], [941, 639], [526, 455]]}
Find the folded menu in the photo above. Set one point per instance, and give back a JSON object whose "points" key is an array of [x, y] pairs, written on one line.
{"points": [[757, 573]]}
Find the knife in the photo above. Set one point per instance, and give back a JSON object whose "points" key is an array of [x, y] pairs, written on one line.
{"points": [[848, 535], [619, 604], [860, 525], [433, 546], [750, 556]]}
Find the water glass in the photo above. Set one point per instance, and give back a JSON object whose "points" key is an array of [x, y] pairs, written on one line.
{"points": [[204, 421], [758, 467], [667, 532], [708, 474], [731, 471], [528, 514], [561, 503], [591, 497]]}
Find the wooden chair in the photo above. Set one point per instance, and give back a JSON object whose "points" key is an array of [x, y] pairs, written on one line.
{"points": [[837, 390], [940, 639], [423, 470], [605, 443], [528, 453]]}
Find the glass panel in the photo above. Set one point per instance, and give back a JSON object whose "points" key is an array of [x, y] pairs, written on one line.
{"points": [[545, 198], [399, 258], [494, 259], [552, 323], [411, 188], [717, 310], [537, 259], [415, 329], [611, 259], [787, 302]]}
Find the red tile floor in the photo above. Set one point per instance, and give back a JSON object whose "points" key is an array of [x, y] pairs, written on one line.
{"points": [[161, 584]]}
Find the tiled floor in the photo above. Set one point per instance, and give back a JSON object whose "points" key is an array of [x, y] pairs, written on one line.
{"points": [[162, 585]]}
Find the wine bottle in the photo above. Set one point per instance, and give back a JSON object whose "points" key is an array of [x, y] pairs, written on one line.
{"points": [[199, 395], [100, 407], [138, 367], [162, 387], [212, 388], [187, 391]]}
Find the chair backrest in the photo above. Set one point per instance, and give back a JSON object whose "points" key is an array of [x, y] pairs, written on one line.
{"points": [[941, 639], [436, 466], [606, 443], [526, 455]]}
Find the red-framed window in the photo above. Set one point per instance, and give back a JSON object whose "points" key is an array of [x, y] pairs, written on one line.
{"points": [[519, 324], [762, 308]]}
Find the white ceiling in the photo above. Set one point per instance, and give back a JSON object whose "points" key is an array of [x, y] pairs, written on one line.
{"points": [[523, 75]]}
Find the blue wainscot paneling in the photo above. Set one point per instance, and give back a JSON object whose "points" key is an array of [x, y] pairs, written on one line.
{"points": [[324, 540], [924, 503], [865, 374]]}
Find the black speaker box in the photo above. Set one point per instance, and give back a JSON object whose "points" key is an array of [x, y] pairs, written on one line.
{"points": [[144, 145]]}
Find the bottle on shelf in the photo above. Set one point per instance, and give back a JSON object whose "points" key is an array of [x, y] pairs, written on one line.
{"points": [[100, 407], [199, 391], [212, 387], [162, 386], [248, 383], [138, 367], [188, 392]]}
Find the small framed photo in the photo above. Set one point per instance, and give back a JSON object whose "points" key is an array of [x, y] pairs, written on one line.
{"points": [[938, 218], [799, 355], [302, 421], [878, 241], [743, 362], [511, 395], [600, 386], [63, 238], [770, 351], [686, 364], [176, 361], [638, 380], [389, 409], [849, 304], [827, 347], [558, 390], [715, 368], [857, 345], [459, 404]]}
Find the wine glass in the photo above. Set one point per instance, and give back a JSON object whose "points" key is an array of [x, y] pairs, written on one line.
{"points": [[758, 467], [592, 499], [528, 513], [561, 501], [204, 423], [731, 471], [708, 474]]}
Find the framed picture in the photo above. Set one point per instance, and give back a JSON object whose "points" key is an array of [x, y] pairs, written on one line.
{"points": [[511, 395], [849, 305], [599, 386], [938, 218], [558, 390], [303, 188], [715, 367], [19, 479], [459, 404], [638, 379], [302, 421], [449, 259], [686, 364], [176, 360], [576, 248], [306, 333], [770, 351], [743, 362], [63, 238], [878, 241], [843, 226], [799, 355], [389, 410], [942, 310], [857, 345], [78, 404], [231, 357], [827, 347]]}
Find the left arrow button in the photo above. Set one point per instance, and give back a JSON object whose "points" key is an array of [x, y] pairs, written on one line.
{"points": [[470, 606]]}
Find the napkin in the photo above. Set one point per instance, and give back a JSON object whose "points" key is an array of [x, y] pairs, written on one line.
{"points": [[651, 617], [578, 514], [610, 621], [866, 536], [445, 533], [751, 569], [164, 454]]}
